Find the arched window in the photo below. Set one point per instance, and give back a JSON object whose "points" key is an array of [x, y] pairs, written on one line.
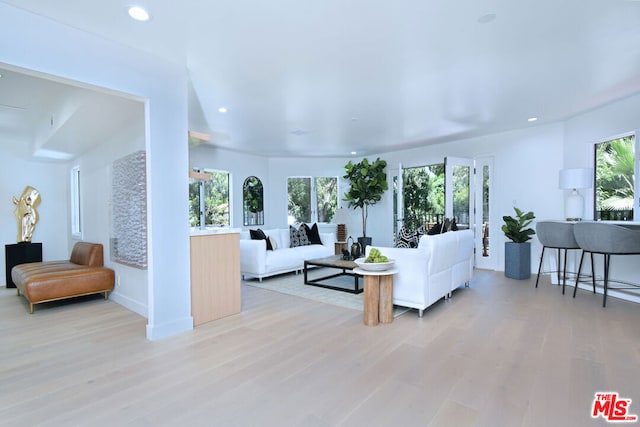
{"points": [[253, 201]]}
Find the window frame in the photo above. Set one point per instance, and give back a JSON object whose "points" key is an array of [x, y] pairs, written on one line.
{"points": [[76, 205], [636, 185], [201, 194]]}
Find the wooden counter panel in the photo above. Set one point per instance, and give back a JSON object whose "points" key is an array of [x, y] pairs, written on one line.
{"points": [[215, 276]]}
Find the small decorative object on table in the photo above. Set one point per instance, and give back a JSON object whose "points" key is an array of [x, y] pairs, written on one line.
{"points": [[374, 266], [375, 261], [346, 255]]}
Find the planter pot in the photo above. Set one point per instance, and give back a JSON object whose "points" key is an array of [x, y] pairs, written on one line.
{"points": [[364, 242], [517, 260]]}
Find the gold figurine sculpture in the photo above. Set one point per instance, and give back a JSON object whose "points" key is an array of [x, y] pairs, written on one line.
{"points": [[26, 213]]}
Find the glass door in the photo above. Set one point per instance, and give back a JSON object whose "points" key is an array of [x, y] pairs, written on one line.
{"points": [[485, 255], [458, 195]]}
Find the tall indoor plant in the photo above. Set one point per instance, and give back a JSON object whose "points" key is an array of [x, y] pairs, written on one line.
{"points": [[368, 182], [517, 252]]}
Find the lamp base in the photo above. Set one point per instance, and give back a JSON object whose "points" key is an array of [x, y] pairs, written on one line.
{"points": [[342, 233], [574, 206]]}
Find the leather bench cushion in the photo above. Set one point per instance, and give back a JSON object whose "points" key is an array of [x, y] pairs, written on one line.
{"points": [[60, 281]]}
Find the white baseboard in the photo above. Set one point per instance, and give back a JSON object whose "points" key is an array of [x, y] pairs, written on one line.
{"points": [[156, 332], [129, 303]]}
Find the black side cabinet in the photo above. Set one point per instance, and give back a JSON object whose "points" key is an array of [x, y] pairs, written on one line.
{"points": [[20, 253]]}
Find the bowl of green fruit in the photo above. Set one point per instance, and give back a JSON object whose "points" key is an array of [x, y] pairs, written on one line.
{"points": [[375, 261]]}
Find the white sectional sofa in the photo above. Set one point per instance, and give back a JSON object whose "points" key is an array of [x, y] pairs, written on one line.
{"points": [[257, 261], [440, 264]]}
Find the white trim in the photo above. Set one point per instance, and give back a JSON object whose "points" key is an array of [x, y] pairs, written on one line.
{"points": [[76, 203]]}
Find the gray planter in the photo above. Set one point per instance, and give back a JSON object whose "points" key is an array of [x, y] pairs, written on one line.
{"points": [[364, 242], [517, 260]]}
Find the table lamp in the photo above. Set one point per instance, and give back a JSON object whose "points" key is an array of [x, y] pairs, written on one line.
{"points": [[574, 179], [341, 218]]}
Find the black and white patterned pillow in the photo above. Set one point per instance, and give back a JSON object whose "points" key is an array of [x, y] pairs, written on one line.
{"points": [[406, 238], [298, 236]]}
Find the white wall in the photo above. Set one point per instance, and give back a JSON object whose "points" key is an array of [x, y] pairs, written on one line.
{"points": [[16, 172], [598, 125], [526, 165], [95, 174], [240, 166], [34, 43], [581, 133], [281, 168]]}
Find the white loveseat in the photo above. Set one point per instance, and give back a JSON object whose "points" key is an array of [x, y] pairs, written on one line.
{"points": [[440, 264], [257, 261]]}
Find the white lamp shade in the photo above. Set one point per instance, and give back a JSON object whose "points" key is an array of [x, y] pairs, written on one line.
{"points": [[570, 179], [341, 216]]}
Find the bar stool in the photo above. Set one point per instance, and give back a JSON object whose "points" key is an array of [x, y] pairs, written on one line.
{"points": [[556, 235], [606, 239]]}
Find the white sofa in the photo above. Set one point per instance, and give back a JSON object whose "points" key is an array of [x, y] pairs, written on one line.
{"points": [[257, 261], [439, 265]]}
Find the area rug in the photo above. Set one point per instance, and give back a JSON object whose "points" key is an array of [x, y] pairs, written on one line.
{"points": [[293, 284]]}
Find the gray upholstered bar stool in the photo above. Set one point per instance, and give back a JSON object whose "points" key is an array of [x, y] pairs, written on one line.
{"points": [[556, 235], [606, 239]]}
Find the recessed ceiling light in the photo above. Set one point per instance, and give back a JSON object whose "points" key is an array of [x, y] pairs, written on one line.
{"points": [[139, 13], [353, 153], [532, 119], [222, 110]]}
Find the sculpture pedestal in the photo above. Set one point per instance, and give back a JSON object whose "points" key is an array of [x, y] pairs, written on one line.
{"points": [[20, 253]]}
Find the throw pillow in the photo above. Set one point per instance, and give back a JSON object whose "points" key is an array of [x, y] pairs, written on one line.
{"points": [[259, 235], [406, 238], [436, 229], [272, 240], [298, 236], [313, 234]]}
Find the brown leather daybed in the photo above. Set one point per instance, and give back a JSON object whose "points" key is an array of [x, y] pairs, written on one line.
{"points": [[83, 274]]}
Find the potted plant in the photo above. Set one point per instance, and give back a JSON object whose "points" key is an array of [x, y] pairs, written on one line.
{"points": [[368, 182], [517, 252]]}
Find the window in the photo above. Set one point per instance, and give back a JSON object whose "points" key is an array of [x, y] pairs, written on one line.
{"points": [[615, 179], [311, 199], [252, 202], [423, 195], [209, 203], [76, 222]]}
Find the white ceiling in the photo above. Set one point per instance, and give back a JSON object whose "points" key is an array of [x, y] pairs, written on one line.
{"points": [[330, 77]]}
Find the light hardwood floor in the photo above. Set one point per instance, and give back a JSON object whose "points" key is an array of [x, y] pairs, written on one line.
{"points": [[500, 353]]}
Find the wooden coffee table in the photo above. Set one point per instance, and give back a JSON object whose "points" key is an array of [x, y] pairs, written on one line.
{"points": [[338, 263]]}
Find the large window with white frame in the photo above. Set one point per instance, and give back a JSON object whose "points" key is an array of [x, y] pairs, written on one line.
{"points": [[76, 209], [311, 199], [615, 179], [209, 199]]}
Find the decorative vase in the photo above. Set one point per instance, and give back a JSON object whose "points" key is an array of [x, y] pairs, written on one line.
{"points": [[517, 260]]}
